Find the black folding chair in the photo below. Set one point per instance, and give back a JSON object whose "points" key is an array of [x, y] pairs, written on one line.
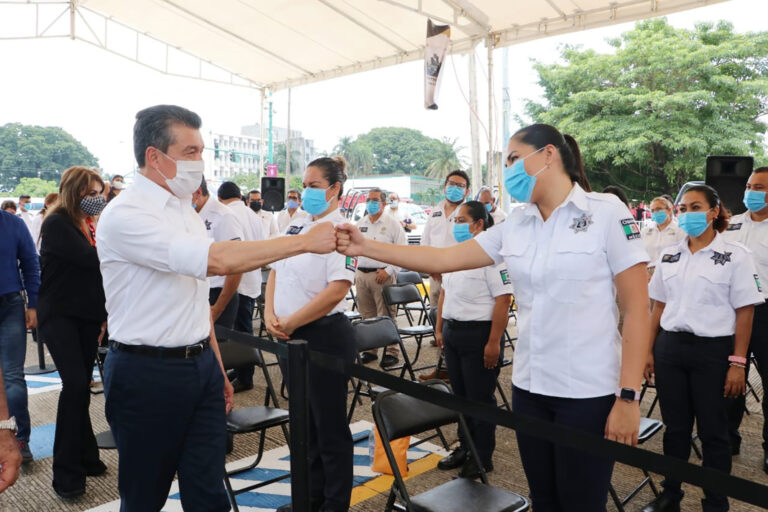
{"points": [[371, 334], [408, 276], [251, 419], [398, 415], [648, 429], [402, 295]]}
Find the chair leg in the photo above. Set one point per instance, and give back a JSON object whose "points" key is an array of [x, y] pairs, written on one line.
{"points": [[696, 449], [650, 482], [505, 401], [390, 501], [615, 497], [230, 494]]}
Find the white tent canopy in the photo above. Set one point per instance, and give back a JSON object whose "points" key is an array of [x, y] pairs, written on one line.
{"points": [[276, 44]]}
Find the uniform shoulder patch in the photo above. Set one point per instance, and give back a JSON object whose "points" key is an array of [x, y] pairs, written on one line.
{"points": [[757, 282], [631, 231], [505, 277], [437, 214], [670, 258], [295, 230], [364, 229], [351, 263], [734, 227]]}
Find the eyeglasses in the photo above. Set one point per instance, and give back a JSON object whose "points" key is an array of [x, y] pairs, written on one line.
{"points": [[457, 184]]}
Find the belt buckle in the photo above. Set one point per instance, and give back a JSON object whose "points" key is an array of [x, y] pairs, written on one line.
{"points": [[187, 351]]}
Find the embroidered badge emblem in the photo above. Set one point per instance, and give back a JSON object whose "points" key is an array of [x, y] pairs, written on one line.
{"points": [[721, 258], [581, 224]]}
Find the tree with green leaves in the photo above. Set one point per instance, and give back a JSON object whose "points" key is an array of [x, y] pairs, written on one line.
{"points": [[648, 114], [358, 155], [35, 187], [446, 160], [38, 152], [400, 150], [297, 166]]}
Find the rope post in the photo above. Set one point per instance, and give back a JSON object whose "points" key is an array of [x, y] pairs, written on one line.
{"points": [[298, 406]]}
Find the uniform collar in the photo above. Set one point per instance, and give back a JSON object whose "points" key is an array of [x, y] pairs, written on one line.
{"points": [[368, 218], [716, 245], [151, 190], [577, 196]]}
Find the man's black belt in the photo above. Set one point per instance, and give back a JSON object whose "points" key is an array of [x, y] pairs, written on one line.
{"points": [[187, 352], [369, 270]]}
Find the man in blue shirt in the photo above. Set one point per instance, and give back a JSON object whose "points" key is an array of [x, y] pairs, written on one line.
{"points": [[17, 252]]}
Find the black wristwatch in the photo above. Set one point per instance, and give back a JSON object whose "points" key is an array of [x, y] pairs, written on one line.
{"points": [[628, 395]]}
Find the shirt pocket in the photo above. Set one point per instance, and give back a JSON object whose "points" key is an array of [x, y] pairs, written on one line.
{"points": [[576, 271], [712, 289], [518, 256], [473, 289]]}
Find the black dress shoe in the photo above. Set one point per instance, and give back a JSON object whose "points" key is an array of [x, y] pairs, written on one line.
{"points": [[765, 463], [71, 494], [388, 360], [664, 502], [471, 471], [239, 386], [97, 469], [735, 445], [455, 460], [231, 375], [315, 504], [367, 357]]}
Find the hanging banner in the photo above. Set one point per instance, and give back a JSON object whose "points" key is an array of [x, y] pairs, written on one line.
{"points": [[435, 49]]}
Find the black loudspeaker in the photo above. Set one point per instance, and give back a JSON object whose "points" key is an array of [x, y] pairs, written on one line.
{"points": [[273, 193], [728, 175]]}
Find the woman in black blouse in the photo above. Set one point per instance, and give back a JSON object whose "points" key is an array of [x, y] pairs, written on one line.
{"points": [[72, 319]]}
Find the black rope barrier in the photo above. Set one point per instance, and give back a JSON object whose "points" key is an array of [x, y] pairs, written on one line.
{"points": [[717, 481]]}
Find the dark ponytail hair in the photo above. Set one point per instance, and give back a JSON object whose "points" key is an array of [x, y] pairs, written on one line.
{"points": [[333, 170], [540, 135], [477, 212], [713, 199]]}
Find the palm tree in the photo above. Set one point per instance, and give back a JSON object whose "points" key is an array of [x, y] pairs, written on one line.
{"points": [[358, 156], [446, 159]]}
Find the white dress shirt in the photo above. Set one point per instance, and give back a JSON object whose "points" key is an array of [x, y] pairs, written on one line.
{"points": [[34, 229], [386, 229], [250, 223], [438, 231], [702, 290], [754, 235], [498, 216], [470, 295], [299, 278], [563, 274], [655, 239], [284, 218], [222, 226], [268, 224], [153, 249]]}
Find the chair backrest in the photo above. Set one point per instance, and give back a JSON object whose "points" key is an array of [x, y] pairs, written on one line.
{"points": [[398, 415], [408, 276], [405, 293], [375, 333], [234, 354]]}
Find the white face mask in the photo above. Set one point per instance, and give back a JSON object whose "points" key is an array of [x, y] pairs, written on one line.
{"points": [[189, 175]]}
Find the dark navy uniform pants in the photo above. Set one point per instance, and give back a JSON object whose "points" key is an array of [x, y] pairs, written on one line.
{"points": [[330, 440], [564, 479], [244, 323], [758, 345], [228, 316], [167, 416], [464, 347], [690, 377]]}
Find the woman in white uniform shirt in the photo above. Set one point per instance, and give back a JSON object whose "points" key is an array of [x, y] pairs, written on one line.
{"points": [[705, 290], [472, 313], [305, 300], [664, 233], [567, 252]]}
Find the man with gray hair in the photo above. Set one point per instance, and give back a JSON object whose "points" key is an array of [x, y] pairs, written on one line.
{"points": [[485, 196], [292, 211]]}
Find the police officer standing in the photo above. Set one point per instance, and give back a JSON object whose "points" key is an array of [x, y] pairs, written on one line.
{"points": [[314, 311], [569, 253], [166, 392], [751, 229], [372, 276], [292, 211], [221, 225], [663, 233], [704, 290], [472, 314], [269, 222], [438, 231], [485, 196]]}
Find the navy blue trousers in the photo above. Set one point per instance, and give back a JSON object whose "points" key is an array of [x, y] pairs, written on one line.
{"points": [[330, 441], [464, 347], [167, 417], [564, 479], [244, 323]]}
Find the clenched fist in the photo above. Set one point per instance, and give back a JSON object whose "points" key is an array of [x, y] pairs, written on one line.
{"points": [[349, 240], [321, 239]]}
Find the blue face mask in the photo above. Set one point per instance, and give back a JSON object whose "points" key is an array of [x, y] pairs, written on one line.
{"points": [[373, 207], [754, 200], [314, 200], [454, 194], [659, 217], [520, 184], [489, 207], [291, 204], [461, 232], [693, 223]]}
